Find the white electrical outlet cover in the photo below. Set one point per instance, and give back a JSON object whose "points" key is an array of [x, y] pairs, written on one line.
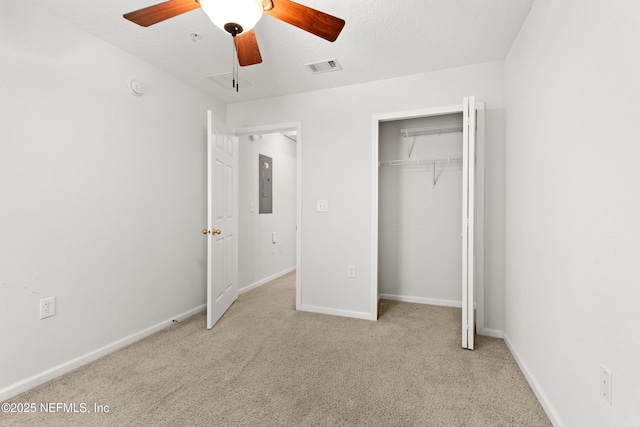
{"points": [[47, 307], [605, 384], [322, 206]]}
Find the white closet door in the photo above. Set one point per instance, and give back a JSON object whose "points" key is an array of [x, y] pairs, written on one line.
{"points": [[222, 223], [468, 221]]}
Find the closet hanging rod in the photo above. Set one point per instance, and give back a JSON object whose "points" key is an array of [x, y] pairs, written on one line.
{"points": [[420, 162], [431, 130]]}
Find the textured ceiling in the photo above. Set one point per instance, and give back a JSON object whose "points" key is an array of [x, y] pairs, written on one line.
{"points": [[381, 39]]}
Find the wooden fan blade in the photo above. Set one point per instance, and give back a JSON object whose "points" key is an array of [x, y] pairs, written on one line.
{"points": [[313, 21], [159, 12], [248, 51]]}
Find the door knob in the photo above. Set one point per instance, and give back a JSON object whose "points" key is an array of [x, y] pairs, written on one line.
{"points": [[213, 231]]}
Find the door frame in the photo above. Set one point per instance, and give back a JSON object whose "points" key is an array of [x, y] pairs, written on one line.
{"points": [[288, 127], [469, 137], [479, 205]]}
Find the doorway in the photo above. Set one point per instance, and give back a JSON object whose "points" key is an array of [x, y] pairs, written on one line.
{"points": [[270, 240], [423, 250]]}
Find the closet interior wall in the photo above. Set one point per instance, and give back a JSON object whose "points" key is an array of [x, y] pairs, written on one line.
{"points": [[419, 219]]}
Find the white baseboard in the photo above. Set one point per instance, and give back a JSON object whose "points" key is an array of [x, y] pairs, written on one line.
{"points": [[56, 371], [337, 312], [535, 386], [494, 333], [266, 280], [421, 300]]}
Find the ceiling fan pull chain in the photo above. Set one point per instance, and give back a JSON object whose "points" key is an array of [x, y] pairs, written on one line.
{"points": [[233, 63], [236, 65]]}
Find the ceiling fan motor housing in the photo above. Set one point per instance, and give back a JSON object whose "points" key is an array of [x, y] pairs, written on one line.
{"points": [[233, 16], [233, 28]]}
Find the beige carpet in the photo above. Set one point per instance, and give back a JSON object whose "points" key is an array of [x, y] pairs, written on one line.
{"points": [[265, 364]]}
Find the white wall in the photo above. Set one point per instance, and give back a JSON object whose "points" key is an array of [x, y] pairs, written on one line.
{"points": [[337, 166], [572, 203], [258, 261], [102, 196], [419, 247]]}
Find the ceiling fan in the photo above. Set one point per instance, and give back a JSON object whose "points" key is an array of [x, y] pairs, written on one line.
{"points": [[238, 17]]}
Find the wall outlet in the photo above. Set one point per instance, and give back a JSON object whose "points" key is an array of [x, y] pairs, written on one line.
{"points": [[351, 271], [47, 307], [322, 206], [605, 384]]}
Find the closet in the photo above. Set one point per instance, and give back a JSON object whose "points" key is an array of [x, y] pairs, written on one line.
{"points": [[426, 206]]}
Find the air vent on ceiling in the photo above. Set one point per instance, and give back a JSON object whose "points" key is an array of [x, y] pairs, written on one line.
{"points": [[226, 80], [324, 66]]}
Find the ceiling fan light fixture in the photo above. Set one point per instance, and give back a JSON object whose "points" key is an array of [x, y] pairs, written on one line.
{"points": [[244, 14]]}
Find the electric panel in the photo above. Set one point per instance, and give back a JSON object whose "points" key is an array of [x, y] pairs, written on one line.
{"points": [[265, 184]]}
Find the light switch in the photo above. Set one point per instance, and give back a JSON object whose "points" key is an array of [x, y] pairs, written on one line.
{"points": [[323, 206], [351, 271]]}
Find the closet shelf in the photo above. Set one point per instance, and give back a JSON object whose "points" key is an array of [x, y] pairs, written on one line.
{"points": [[420, 161], [431, 130], [432, 162]]}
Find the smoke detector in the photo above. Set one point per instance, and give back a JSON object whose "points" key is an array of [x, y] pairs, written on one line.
{"points": [[324, 66]]}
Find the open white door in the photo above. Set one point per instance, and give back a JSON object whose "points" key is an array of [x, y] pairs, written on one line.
{"points": [[222, 223], [468, 221]]}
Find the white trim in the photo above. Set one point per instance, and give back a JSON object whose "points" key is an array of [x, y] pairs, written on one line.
{"points": [[337, 312], [421, 300], [266, 280], [479, 214], [479, 241], [467, 248], [298, 215], [56, 371], [535, 386], [486, 332], [375, 286], [412, 114], [281, 127], [376, 120], [269, 128]]}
